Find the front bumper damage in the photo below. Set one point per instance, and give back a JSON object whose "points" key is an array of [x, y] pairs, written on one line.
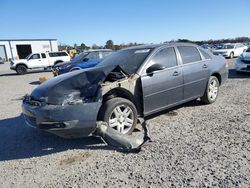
{"points": [[69, 121], [68, 106], [60, 121]]}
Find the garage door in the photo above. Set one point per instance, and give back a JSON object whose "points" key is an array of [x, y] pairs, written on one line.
{"points": [[3, 56], [23, 51]]}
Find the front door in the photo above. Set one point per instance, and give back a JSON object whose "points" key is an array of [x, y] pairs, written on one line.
{"points": [[162, 88], [35, 61]]}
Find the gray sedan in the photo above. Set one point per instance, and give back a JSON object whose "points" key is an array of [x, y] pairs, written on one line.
{"points": [[131, 83]]}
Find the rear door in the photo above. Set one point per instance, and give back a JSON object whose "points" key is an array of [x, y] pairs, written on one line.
{"points": [[163, 88], [195, 72]]}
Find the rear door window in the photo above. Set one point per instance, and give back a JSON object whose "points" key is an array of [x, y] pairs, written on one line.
{"points": [[189, 54], [165, 57]]}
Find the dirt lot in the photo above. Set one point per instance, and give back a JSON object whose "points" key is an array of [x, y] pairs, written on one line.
{"points": [[204, 145]]}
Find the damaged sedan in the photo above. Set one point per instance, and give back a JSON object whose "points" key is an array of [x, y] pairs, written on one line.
{"points": [[129, 84]]}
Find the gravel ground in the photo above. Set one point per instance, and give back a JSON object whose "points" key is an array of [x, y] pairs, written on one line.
{"points": [[199, 146]]}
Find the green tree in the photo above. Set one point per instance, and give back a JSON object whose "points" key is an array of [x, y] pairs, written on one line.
{"points": [[109, 44], [83, 46]]}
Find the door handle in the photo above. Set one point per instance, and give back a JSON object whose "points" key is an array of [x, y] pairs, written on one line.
{"points": [[204, 66], [176, 73]]}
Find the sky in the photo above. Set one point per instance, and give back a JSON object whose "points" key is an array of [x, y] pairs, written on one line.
{"points": [[123, 21]]}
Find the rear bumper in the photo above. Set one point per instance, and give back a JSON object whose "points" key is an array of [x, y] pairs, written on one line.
{"points": [[65, 121]]}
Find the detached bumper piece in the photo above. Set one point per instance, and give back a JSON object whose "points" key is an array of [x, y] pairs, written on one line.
{"points": [[125, 143]]}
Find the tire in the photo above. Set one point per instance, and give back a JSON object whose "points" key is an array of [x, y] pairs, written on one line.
{"points": [[212, 91], [114, 113], [231, 56], [21, 69]]}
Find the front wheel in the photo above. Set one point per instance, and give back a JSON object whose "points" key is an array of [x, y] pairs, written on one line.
{"points": [[21, 69], [231, 56], [120, 114], [212, 91]]}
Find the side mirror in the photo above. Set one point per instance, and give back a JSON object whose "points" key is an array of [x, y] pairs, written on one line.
{"points": [[154, 67]]}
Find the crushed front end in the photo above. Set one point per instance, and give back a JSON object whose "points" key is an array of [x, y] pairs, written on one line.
{"points": [[66, 105]]}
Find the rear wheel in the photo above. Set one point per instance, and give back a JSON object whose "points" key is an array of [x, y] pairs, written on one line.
{"points": [[21, 69], [212, 91], [120, 114]]}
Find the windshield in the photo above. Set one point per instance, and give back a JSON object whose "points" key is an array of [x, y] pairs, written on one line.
{"points": [[80, 57], [129, 60], [248, 50], [227, 46]]}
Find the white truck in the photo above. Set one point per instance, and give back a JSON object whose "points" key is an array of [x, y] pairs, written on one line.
{"points": [[38, 60]]}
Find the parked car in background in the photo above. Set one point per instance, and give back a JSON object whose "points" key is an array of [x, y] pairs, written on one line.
{"points": [[131, 83], [231, 50], [242, 64], [38, 60], [246, 44], [83, 60]]}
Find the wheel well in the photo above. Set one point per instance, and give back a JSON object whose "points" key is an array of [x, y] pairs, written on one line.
{"points": [[21, 64], [120, 92], [218, 76]]}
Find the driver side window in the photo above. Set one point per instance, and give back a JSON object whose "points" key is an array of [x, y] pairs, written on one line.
{"points": [[165, 57], [35, 56], [93, 55]]}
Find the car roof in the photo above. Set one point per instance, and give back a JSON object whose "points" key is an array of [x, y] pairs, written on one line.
{"points": [[154, 46], [98, 50]]}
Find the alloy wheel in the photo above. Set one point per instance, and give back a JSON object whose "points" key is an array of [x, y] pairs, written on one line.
{"points": [[121, 119]]}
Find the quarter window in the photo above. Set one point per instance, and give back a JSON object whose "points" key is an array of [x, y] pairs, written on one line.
{"points": [[165, 57], [205, 54], [189, 54], [43, 55]]}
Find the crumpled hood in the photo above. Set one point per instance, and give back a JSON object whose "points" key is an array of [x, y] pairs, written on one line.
{"points": [[83, 82]]}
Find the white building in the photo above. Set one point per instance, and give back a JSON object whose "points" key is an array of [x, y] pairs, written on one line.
{"points": [[21, 48]]}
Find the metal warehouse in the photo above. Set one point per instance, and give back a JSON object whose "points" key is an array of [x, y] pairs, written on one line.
{"points": [[21, 48]]}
